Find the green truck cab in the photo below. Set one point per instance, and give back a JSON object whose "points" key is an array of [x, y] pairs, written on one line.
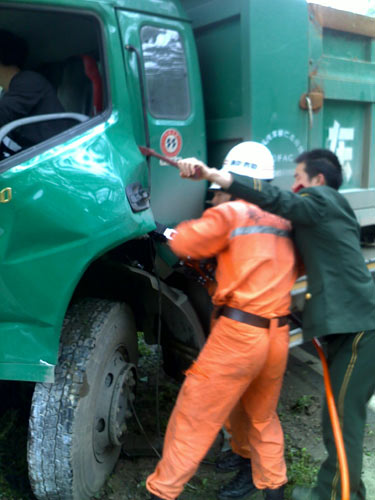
{"points": [[82, 266]]}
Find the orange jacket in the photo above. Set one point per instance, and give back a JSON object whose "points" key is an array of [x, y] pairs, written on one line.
{"points": [[256, 258]]}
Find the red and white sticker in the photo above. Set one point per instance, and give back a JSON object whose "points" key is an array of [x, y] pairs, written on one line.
{"points": [[171, 142]]}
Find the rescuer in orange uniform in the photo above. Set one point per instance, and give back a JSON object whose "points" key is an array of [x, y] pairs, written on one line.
{"points": [[245, 356]]}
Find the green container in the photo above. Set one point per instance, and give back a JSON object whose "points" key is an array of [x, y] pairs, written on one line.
{"points": [[259, 60], [254, 64], [342, 67]]}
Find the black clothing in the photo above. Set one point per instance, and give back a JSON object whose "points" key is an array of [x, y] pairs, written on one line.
{"points": [[240, 486], [277, 494], [230, 461], [30, 94]]}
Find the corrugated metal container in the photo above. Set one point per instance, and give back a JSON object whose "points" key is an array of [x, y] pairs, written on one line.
{"points": [[293, 76]]}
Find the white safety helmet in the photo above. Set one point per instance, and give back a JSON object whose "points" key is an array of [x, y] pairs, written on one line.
{"points": [[251, 159]]}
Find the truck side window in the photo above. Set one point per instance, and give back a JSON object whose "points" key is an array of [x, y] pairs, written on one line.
{"points": [[167, 87], [64, 79]]}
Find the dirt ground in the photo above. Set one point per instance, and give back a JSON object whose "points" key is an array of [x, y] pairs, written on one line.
{"points": [[299, 411]]}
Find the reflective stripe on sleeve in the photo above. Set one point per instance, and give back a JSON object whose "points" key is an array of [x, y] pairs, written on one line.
{"points": [[239, 231]]}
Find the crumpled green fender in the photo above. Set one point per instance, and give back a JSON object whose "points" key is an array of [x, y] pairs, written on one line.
{"points": [[68, 207]]}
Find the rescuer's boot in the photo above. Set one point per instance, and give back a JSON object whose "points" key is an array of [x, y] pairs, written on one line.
{"points": [[277, 494], [240, 486], [230, 461]]}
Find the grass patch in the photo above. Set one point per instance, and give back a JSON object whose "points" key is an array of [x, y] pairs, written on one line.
{"points": [[143, 348], [303, 404], [302, 468]]}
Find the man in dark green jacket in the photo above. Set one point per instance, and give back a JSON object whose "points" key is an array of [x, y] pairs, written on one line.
{"points": [[340, 300]]}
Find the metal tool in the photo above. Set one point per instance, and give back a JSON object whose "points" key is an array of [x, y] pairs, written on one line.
{"points": [[151, 152]]}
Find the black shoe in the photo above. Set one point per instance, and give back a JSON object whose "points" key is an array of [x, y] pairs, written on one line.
{"points": [[240, 486], [229, 461], [277, 494]]}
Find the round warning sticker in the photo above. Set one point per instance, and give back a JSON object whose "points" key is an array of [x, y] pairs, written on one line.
{"points": [[171, 142]]}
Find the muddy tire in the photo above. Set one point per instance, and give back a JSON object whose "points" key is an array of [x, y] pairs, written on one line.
{"points": [[78, 424]]}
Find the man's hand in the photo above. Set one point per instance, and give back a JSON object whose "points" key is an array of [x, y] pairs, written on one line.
{"points": [[191, 168]]}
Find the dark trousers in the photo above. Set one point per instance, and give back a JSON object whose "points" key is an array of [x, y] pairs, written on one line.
{"points": [[351, 364]]}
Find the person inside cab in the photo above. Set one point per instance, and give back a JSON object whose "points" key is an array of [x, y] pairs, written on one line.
{"points": [[25, 93]]}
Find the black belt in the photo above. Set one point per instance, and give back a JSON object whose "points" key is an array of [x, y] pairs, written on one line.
{"points": [[248, 318]]}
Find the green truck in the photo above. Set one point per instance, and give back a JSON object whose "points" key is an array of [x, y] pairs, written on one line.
{"points": [[82, 267]]}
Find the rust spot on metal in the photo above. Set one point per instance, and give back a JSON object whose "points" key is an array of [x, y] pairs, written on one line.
{"points": [[316, 97], [85, 387], [343, 21]]}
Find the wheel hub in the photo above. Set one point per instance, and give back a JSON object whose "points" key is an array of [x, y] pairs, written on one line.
{"points": [[120, 410], [113, 405]]}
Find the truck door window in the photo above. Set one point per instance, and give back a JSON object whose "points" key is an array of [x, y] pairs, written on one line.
{"points": [[164, 60]]}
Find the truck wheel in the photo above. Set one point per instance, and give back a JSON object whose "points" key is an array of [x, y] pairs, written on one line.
{"points": [[78, 424]]}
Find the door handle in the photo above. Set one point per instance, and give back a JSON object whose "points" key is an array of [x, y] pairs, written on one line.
{"points": [[6, 195]]}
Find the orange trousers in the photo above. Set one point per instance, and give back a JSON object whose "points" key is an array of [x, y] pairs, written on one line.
{"points": [[239, 370]]}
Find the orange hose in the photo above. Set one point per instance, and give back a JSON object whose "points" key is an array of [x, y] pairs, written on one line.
{"points": [[339, 441]]}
